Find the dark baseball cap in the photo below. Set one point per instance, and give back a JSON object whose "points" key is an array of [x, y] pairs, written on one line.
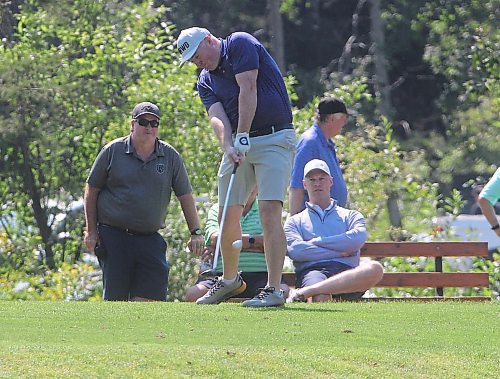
{"points": [[146, 108], [331, 105]]}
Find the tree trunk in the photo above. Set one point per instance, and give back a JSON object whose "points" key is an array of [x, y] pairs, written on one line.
{"points": [[277, 37], [39, 213], [345, 60], [394, 213], [383, 92], [8, 20], [382, 87]]}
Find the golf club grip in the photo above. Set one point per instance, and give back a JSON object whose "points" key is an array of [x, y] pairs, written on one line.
{"points": [[221, 226]]}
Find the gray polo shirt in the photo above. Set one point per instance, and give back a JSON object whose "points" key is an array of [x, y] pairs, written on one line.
{"points": [[135, 194]]}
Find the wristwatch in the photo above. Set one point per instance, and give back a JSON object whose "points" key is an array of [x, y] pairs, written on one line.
{"points": [[495, 227], [251, 240], [196, 232]]}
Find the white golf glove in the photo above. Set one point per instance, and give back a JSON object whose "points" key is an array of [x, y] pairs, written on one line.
{"points": [[242, 143]]}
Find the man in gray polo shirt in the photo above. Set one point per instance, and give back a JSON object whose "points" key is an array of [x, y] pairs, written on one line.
{"points": [[126, 198]]}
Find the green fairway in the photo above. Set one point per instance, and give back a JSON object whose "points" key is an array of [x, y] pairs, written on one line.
{"points": [[153, 340]]}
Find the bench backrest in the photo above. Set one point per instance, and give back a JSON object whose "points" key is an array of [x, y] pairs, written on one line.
{"points": [[424, 249], [438, 250]]}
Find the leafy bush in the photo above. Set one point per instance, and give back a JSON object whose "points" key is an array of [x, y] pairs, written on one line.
{"points": [[70, 282]]}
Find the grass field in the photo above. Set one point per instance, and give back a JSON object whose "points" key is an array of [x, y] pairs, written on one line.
{"points": [[163, 340]]}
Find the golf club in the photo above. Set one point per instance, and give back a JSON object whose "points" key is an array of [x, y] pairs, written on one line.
{"points": [[224, 210], [211, 272]]}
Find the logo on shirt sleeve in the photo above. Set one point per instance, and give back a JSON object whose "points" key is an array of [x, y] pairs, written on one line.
{"points": [[160, 168]]}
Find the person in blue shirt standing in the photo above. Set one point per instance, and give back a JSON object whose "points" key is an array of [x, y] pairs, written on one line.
{"points": [[249, 110], [316, 143]]}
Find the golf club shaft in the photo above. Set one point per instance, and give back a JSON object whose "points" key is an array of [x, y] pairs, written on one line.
{"points": [[224, 210]]}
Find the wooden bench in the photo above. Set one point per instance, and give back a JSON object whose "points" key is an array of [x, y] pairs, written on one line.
{"points": [[437, 279]]}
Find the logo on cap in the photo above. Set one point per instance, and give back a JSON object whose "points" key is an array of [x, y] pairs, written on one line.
{"points": [[146, 108], [183, 47]]}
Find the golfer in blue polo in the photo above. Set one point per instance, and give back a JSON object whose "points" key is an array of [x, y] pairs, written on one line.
{"points": [[248, 107]]}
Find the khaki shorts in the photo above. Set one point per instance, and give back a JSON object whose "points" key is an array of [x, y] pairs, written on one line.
{"points": [[268, 164]]}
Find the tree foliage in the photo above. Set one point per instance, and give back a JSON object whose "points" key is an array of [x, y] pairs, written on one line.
{"points": [[463, 46], [71, 71], [70, 78]]}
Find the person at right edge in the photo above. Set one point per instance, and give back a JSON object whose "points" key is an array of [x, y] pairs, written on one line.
{"points": [[488, 198], [249, 110], [316, 143]]}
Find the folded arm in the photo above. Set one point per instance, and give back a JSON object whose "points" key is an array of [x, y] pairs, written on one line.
{"points": [[302, 251]]}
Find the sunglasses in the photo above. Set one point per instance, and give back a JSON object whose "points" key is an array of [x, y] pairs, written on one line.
{"points": [[145, 123]]}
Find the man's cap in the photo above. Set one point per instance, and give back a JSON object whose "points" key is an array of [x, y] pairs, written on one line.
{"points": [[189, 40], [331, 105], [146, 108], [316, 164]]}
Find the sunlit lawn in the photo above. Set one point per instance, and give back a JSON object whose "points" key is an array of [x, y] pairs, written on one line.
{"points": [[157, 340]]}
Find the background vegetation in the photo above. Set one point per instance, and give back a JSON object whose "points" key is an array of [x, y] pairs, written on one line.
{"points": [[420, 79]]}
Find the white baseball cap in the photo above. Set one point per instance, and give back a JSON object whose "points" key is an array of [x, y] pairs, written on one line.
{"points": [[189, 40], [316, 164]]}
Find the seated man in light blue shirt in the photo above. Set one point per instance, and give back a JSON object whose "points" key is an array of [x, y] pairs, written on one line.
{"points": [[324, 242]]}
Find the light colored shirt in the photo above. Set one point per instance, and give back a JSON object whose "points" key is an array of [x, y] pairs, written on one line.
{"points": [[314, 238], [491, 190], [250, 224]]}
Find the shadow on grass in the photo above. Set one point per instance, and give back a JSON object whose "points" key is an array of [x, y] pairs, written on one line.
{"points": [[289, 309]]}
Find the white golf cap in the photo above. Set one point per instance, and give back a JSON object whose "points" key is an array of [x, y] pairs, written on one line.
{"points": [[316, 164], [189, 40]]}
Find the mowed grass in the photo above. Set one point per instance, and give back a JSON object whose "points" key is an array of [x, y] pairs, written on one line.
{"points": [[163, 340]]}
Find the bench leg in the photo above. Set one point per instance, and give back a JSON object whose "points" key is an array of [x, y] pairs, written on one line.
{"points": [[439, 268]]}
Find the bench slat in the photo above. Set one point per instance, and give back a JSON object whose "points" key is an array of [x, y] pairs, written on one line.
{"points": [[424, 249], [421, 279], [434, 279]]}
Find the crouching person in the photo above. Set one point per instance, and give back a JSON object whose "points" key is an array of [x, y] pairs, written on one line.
{"points": [[324, 242]]}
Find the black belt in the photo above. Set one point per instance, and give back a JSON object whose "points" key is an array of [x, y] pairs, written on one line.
{"points": [[269, 130], [128, 230]]}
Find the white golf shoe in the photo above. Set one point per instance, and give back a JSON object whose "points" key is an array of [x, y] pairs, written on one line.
{"points": [[222, 291]]}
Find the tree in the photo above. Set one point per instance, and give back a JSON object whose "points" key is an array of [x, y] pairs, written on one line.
{"points": [[463, 48], [69, 79], [277, 38]]}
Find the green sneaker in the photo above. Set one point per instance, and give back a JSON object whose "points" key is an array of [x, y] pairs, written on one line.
{"points": [[268, 297], [222, 291]]}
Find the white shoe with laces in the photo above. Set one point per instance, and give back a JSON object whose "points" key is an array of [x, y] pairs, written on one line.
{"points": [[222, 291]]}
